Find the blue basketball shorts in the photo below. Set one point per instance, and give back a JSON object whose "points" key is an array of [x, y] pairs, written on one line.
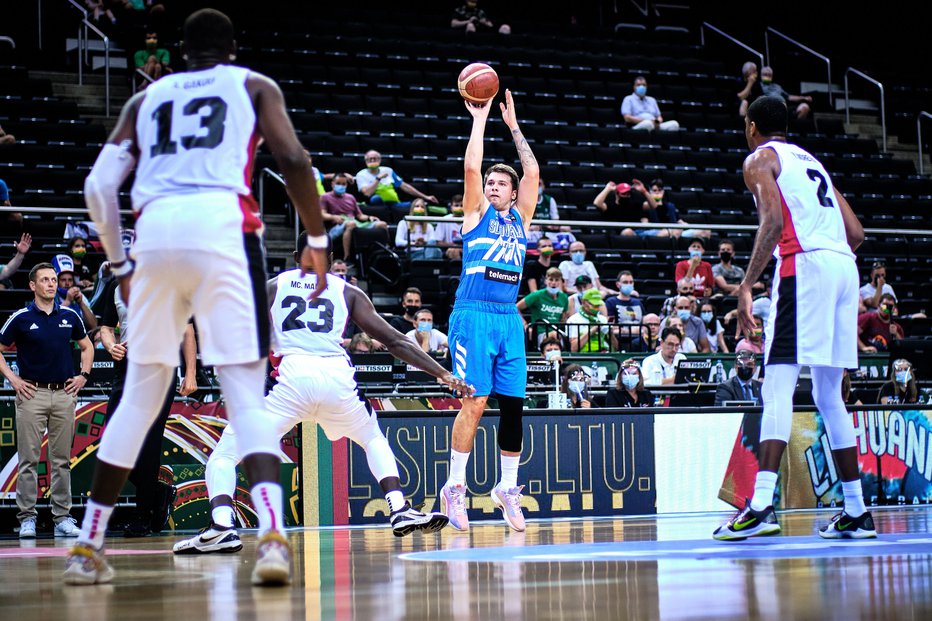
{"points": [[487, 345]]}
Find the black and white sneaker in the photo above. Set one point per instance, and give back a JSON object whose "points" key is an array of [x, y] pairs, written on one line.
{"points": [[408, 519], [211, 539], [843, 526], [748, 523]]}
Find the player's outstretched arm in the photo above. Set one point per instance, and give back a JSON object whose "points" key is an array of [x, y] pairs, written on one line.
{"points": [[530, 171], [761, 169], [853, 229], [363, 314], [473, 195]]}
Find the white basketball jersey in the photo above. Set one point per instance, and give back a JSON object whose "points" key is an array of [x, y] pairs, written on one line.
{"points": [[304, 326], [196, 133], [812, 218]]}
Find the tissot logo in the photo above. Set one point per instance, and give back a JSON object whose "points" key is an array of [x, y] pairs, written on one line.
{"points": [[497, 275]]}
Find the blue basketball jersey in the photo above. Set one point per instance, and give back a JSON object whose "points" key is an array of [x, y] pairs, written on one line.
{"points": [[493, 258]]}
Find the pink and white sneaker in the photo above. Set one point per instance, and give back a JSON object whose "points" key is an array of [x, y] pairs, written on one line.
{"points": [[453, 505], [509, 500]]}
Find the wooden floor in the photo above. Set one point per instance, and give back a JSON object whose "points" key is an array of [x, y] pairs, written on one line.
{"points": [[635, 568]]}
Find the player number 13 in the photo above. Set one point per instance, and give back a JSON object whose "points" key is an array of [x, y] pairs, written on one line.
{"points": [[212, 121]]}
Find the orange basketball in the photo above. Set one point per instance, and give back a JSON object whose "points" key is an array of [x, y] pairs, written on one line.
{"points": [[478, 83]]}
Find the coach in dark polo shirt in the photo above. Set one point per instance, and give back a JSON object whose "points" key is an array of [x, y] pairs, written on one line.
{"points": [[46, 395]]}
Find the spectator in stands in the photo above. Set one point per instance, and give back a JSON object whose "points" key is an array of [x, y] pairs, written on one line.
{"points": [[576, 386], [470, 17], [684, 287], [551, 350], [877, 286], [101, 7], [629, 391], [696, 269], [687, 345], [876, 329], [6, 139], [13, 219], [320, 177], [755, 342], [693, 327], [620, 204], [546, 206], [752, 87], [83, 274], [535, 271], [650, 334], [547, 306], [849, 396], [339, 267], [727, 275], [641, 111], [743, 386], [418, 237], [901, 388], [660, 368], [380, 185], [342, 214], [154, 61], [69, 293], [769, 87], [46, 394], [361, 343], [583, 284], [579, 266], [714, 329], [428, 338], [589, 331], [411, 302], [7, 271], [447, 235], [625, 308]]}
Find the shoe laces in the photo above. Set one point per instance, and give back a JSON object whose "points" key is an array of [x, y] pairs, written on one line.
{"points": [[513, 498]]}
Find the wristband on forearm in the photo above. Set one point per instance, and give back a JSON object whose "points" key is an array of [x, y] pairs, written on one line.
{"points": [[317, 242]]}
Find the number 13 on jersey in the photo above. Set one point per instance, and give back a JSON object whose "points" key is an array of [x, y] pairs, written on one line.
{"points": [[212, 112]]}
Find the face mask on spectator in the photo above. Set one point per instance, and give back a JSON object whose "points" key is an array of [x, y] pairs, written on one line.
{"points": [[578, 257], [425, 326], [766, 80], [577, 387], [550, 354], [553, 290], [725, 256], [62, 292], [683, 314], [886, 309], [695, 253], [744, 373], [78, 253], [658, 197], [546, 251], [640, 90], [458, 211], [410, 310], [756, 333], [707, 316], [339, 189], [418, 211], [627, 289], [630, 380], [902, 377]]}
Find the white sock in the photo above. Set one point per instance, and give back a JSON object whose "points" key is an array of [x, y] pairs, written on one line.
{"points": [[94, 525], [396, 500], [458, 463], [223, 516], [854, 498], [509, 471], [267, 497], [763, 490]]}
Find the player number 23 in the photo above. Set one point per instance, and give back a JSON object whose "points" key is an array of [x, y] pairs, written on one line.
{"points": [[299, 306]]}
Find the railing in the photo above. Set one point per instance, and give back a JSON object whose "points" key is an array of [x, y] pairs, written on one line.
{"points": [[268, 172], [83, 51], [145, 76], [883, 112], [82, 38], [919, 135], [8, 40], [730, 38], [828, 62]]}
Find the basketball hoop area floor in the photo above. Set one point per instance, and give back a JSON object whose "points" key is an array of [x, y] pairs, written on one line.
{"points": [[631, 568]]}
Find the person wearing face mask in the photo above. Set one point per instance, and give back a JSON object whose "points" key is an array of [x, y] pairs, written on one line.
{"points": [[714, 328], [769, 87], [551, 350], [625, 309], [83, 273], [693, 327], [411, 303], [342, 214], [629, 391], [576, 387], [595, 336], [687, 345], [727, 275], [583, 284], [547, 306], [754, 342], [694, 268], [876, 329], [641, 111], [578, 266], [743, 386], [535, 271], [69, 293], [428, 338], [902, 386], [380, 184], [448, 235], [417, 237], [153, 60]]}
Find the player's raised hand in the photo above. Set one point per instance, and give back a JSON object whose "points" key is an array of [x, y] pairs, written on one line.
{"points": [[478, 110], [508, 111]]}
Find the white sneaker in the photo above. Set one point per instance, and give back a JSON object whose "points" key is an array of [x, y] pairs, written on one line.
{"points": [[509, 501], [85, 565], [209, 540], [273, 560], [27, 529], [68, 527]]}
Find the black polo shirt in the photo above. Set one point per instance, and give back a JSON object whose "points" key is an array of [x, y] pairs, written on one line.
{"points": [[43, 342]]}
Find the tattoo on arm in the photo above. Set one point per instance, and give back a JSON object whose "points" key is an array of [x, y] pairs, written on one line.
{"points": [[524, 149], [767, 238]]}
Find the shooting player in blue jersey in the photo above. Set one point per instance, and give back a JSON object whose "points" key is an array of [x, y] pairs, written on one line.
{"points": [[486, 334]]}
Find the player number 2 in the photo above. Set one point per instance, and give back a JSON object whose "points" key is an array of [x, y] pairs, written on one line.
{"points": [[299, 306], [822, 190], [212, 122]]}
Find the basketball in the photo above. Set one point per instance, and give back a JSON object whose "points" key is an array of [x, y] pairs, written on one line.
{"points": [[478, 83]]}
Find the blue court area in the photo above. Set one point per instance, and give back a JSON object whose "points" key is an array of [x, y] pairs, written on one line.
{"points": [[918, 544]]}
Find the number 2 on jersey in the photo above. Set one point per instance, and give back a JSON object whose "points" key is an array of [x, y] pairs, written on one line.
{"points": [[822, 190], [299, 306], [213, 122]]}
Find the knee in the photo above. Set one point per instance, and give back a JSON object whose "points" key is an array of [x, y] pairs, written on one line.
{"points": [[504, 29], [802, 111], [510, 427]]}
